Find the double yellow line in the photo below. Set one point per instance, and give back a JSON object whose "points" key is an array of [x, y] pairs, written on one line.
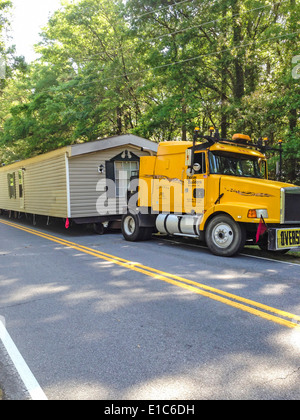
{"points": [[267, 312]]}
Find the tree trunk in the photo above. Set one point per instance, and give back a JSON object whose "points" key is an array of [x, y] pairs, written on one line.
{"points": [[239, 78], [224, 123], [119, 120], [183, 130]]}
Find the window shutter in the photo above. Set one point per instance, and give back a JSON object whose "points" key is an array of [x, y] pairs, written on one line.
{"points": [[110, 174]]}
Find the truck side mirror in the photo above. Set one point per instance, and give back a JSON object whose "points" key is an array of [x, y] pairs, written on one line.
{"points": [[196, 167], [188, 157]]}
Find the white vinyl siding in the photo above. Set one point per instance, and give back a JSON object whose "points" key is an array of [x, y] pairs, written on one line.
{"points": [[63, 183], [43, 188], [84, 177], [46, 188]]}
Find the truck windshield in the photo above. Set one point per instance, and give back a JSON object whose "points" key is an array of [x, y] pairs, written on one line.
{"points": [[235, 164]]}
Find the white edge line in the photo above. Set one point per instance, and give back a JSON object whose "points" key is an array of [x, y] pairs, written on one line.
{"points": [[270, 259], [244, 255], [31, 384]]}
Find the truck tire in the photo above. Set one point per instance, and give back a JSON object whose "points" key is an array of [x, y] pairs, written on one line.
{"points": [[131, 229], [225, 237], [98, 228]]}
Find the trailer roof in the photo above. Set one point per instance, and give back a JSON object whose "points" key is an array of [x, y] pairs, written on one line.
{"points": [[36, 159], [90, 147], [111, 142]]}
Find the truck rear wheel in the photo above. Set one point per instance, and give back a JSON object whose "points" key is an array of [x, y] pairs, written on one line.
{"points": [[224, 236], [131, 229]]}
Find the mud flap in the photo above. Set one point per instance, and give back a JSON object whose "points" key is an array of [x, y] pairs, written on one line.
{"points": [[272, 239]]}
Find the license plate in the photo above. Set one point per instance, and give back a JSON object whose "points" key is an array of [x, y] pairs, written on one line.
{"points": [[288, 238]]}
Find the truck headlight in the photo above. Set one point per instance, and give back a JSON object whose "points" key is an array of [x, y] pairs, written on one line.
{"points": [[257, 213]]}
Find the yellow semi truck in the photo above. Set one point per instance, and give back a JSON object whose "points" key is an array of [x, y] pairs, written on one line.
{"points": [[215, 190]]}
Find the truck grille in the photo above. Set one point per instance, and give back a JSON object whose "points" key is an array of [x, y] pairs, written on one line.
{"points": [[291, 201]]}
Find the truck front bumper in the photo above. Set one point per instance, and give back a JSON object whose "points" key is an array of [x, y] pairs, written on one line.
{"points": [[283, 237]]}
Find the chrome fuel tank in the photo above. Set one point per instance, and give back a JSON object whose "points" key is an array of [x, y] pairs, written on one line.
{"points": [[173, 224]]}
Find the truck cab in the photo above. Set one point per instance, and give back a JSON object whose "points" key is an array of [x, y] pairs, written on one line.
{"points": [[217, 191]]}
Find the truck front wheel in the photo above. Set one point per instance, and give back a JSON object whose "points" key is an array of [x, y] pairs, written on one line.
{"points": [[131, 229], [224, 236]]}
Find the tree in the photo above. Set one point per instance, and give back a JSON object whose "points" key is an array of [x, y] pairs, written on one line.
{"points": [[4, 22], [92, 37], [158, 68]]}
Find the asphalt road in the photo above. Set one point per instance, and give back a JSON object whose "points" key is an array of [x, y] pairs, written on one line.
{"points": [[97, 322]]}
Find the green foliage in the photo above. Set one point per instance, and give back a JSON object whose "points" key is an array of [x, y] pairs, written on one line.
{"points": [[157, 68]]}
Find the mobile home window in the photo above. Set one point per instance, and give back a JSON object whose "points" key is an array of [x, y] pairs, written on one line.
{"points": [[11, 180], [123, 172], [21, 184], [119, 169]]}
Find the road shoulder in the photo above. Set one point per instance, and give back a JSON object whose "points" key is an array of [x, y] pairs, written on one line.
{"points": [[11, 384]]}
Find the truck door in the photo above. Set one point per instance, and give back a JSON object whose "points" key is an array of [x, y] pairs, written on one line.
{"points": [[194, 188]]}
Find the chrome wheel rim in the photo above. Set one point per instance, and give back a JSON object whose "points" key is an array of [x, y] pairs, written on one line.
{"points": [[129, 225], [222, 235]]}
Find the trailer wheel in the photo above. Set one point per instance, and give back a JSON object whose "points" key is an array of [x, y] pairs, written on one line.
{"points": [[131, 229], [224, 236], [98, 228]]}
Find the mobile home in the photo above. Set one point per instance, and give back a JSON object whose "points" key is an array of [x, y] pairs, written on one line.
{"points": [[65, 183]]}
